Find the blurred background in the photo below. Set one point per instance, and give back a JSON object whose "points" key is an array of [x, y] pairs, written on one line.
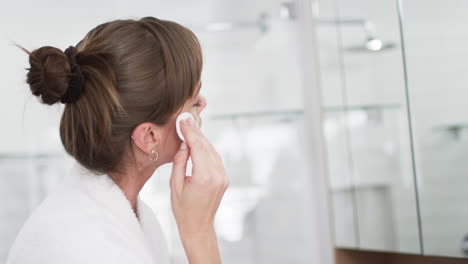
{"points": [[342, 123]]}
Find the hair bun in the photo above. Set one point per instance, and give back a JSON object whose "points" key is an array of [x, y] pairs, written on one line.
{"points": [[49, 73]]}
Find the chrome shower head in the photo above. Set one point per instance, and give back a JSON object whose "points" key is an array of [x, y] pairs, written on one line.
{"points": [[372, 44]]}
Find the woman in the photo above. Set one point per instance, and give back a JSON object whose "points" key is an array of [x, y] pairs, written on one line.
{"points": [[123, 86]]}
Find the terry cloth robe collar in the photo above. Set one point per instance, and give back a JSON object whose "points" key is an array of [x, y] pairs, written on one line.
{"points": [[89, 220]]}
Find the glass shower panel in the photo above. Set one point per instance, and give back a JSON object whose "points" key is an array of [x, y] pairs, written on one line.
{"points": [[436, 42], [378, 128]]}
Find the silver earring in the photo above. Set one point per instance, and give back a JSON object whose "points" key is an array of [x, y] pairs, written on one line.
{"points": [[132, 137], [154, 152]]}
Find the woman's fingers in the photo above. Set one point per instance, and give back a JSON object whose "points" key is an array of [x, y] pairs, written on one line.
{"points": [[196, 201], [196, 141], [204, 156], [179, 166], [192, 134]]}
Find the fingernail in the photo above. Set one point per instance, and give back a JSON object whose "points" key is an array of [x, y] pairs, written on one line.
{"points": [[183, 146]]}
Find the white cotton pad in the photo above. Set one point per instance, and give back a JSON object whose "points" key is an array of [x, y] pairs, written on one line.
{"points": [[185, 116], [182, 116]]}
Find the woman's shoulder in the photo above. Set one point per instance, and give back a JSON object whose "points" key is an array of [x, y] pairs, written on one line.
{"points": [[69, 227], [53, 223], [87, 219]]}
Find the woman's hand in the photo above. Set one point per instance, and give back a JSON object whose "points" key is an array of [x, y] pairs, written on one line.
{"points": [[195, 200]]}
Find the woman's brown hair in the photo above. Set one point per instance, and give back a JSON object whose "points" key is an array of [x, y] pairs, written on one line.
{"points": [[134, 71]]}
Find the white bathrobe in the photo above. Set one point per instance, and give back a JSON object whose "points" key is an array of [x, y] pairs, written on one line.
{"points": [[89, 220]]}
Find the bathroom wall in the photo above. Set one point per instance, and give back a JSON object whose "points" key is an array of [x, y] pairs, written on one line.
{"points": [[252, 81]]}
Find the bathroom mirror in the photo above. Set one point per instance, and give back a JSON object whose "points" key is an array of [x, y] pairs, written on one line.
{"points": [[366, 126], [436, 42]]}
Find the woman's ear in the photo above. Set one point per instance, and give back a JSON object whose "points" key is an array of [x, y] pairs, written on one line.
{"points": [[146, 136]]}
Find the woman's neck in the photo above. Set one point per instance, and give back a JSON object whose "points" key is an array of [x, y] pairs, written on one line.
{"points": [[131, 184]]}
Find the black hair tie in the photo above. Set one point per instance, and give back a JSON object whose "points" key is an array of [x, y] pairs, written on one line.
{"points": [[76, 82]]}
